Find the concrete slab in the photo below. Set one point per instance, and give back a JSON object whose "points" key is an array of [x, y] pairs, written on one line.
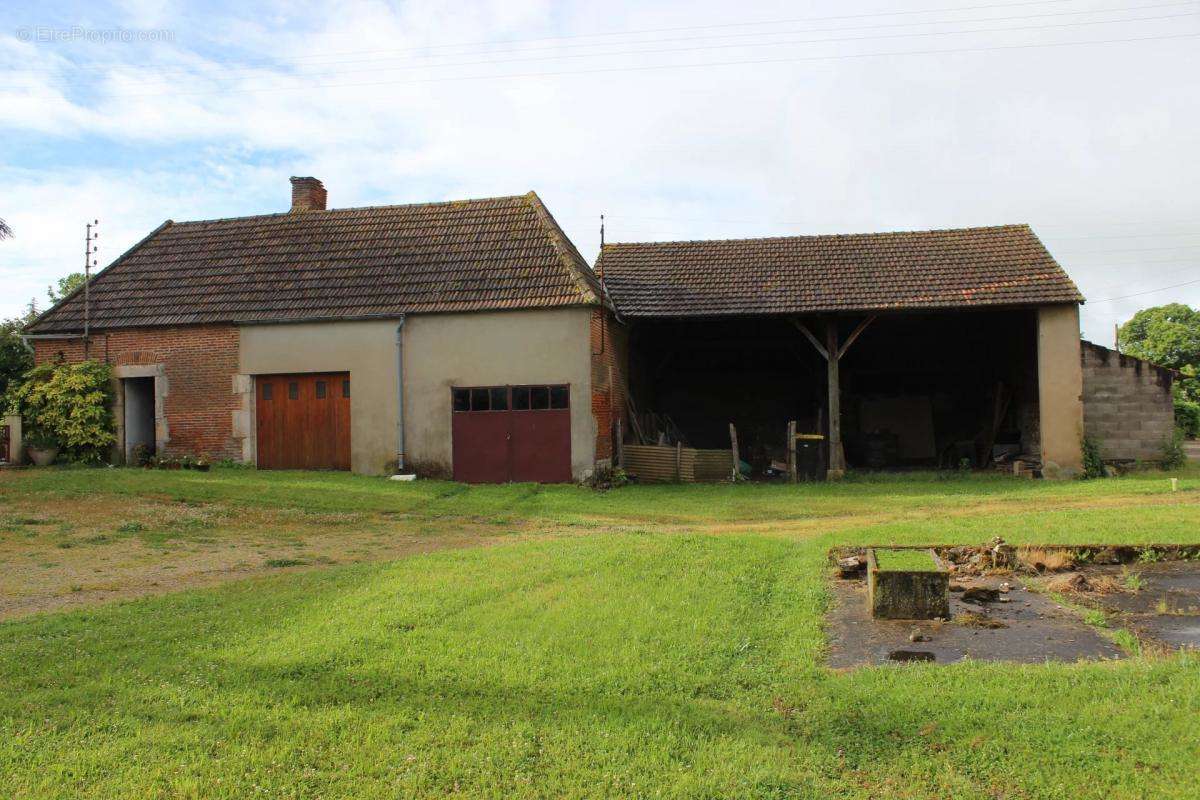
{"points": [[1166, 607], [1034, 630]]}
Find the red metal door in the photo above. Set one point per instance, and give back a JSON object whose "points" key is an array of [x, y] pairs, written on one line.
{"points": [[479, 434], [541, 446], [518, 433], [481, 447], [303, 421]]}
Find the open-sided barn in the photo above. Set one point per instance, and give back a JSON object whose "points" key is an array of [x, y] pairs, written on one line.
{"points": [[471, 340]]}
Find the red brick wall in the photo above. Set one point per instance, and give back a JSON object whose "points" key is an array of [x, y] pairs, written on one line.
{"points": [[200, 362], [609, 365]]}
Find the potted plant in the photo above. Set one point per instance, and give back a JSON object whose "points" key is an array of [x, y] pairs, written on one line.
{"points": [[42, 447], [202, 464], [143, 456]]}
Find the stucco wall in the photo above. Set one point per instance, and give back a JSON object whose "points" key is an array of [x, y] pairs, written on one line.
{"points": [[1128, 408], [1060, 390], [367, 350], [440, 351], [493, 348]]}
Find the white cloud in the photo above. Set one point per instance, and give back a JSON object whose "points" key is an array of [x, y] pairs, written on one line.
{"points": [[1078, 141]]}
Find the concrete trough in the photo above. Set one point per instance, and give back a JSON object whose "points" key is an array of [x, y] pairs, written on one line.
{"points": [[901, 586]]}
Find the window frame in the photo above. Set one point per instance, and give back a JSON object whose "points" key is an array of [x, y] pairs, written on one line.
{"points": [[510, 395], [487, 392]]}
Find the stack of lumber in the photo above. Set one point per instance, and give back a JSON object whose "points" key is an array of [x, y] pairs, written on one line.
{"points": [[713, 465], [659, 464], [662, 464]]}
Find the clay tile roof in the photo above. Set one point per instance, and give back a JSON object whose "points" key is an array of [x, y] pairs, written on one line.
{"points": [[354, 263], [961, 268]]}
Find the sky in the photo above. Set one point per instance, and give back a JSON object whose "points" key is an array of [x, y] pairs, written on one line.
{"points": [[676, 120]]}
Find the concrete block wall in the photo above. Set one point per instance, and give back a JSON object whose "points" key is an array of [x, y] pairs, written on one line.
{"points": [[1127, 404]]}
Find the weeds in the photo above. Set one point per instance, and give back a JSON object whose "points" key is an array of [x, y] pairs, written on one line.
{"points": [[280, 563], [1132, 580]]}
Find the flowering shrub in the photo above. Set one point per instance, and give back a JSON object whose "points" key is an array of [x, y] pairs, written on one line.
{"points": [[70, 404]]}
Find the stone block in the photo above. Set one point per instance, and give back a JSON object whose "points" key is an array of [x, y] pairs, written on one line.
{"points": [[908, 593]]}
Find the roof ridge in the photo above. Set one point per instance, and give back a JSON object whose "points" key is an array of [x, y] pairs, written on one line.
{"points": [[786, 237], [310, 214], [570, 256]]}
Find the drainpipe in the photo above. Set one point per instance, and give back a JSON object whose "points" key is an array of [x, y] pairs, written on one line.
{"points": [[400, 395]]}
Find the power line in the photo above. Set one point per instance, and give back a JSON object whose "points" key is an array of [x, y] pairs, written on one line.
{"points": [[245, 66], [1148, 291], [660, 67], [636, 32], [1124, 235], [669, 51], [1130, 250], [1125, 284]]}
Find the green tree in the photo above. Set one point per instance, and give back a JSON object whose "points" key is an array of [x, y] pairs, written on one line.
{"points": [[5, 231], [1169, 336], [15, 358], [65, 286]]}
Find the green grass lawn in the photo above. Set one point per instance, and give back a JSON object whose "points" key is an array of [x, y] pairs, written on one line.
{"points": [[671, 649], [904, 560]]}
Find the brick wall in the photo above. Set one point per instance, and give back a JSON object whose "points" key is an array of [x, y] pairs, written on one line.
{"points": [[200, 362], [1127, 404], [610, 343]]}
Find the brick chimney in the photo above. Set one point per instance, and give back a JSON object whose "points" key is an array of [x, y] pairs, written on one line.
{"points": [[308, 194]]}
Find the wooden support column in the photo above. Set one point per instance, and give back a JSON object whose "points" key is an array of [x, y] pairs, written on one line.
{"points": [[832, 352], [837, 456], [791, 450], [733, 445]]}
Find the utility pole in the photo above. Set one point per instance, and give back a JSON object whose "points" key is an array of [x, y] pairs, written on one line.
{"points": [[89, 251]]}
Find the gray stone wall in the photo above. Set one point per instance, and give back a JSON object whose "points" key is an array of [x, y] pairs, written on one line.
{"points": [[1127, 404]]}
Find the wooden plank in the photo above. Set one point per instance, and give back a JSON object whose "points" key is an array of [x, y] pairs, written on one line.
{"points": [[618, 447], [734, 444], [862, 326], [712, 465], [837, 457], [791, 450], [800, 326]]}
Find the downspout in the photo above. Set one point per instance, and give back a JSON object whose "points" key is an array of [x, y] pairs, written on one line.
{"points": [[400, 395]]}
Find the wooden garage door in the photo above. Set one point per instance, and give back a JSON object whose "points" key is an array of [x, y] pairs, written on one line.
{"points": [[303, 421], [512, 433]]}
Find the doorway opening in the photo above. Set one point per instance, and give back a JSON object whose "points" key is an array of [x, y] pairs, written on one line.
{"points": [[139, 419]]}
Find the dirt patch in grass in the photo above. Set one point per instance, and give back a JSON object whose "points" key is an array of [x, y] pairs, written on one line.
{"points": [[102, 548]]}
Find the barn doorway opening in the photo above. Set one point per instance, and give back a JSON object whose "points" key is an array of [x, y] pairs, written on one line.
{"points": [[139, 419], [918, 390]]}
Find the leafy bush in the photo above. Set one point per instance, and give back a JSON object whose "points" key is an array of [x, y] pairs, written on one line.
{"points": [[1093, 464], [1187, 417], [41, 440], [72, 403], [15, 358], [1174, 456]]}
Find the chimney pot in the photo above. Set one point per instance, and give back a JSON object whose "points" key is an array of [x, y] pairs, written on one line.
{"points": [[308, 194]]}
